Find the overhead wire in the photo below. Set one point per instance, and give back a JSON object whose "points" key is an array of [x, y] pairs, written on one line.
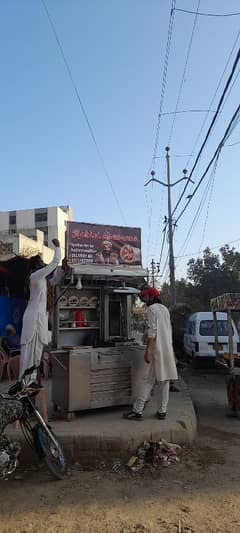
{"points": [[164, 270], [205, 119], [210, 184], [215, 93], [206, 193], [209, 202], [228, 131], [183, 74], [90, 128], [162, 95], [210, 127], [233, 144], [199, 208], [208, 14], [187, 111], [162, 246], [149, 218], [211, 248], [164, 78]]}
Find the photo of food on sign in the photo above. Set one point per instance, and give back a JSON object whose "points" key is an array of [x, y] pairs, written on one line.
{"points": [[130, 254], [103, 245]]}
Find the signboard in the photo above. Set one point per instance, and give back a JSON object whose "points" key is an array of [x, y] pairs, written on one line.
{"points": [[103, 245]]}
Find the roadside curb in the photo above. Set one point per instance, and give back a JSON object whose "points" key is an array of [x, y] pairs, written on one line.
{"points": [[104, 434]]}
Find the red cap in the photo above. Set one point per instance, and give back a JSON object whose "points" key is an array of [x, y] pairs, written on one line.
{"points": [[150, 291]]}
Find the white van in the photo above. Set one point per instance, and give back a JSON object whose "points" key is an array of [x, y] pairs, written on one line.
{"points": [[199, 338]]}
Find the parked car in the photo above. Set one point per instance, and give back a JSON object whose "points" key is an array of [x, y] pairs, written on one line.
{"points": [[199, 336]]}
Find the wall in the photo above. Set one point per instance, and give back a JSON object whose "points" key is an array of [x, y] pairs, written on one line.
{"points": [[4, 220], [23, 245], [25, 219]]}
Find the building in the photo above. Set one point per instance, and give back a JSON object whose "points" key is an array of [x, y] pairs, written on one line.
{"points": [[49, 220], [19, 244]]}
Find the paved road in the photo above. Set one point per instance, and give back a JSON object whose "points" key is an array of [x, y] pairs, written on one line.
{"points": [[209, 395]]}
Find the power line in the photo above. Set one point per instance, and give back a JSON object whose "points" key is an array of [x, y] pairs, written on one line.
{"points": [[209, 246], [174, 155], [209, 200], [164, 78], [233, 144], [217, 110], [217, 151], [215, 93], [183, 74], [187, 111], [149, 211], [164, 268], [162, 95], [60, 47], [163, 242], [211, 126], [208, 14], [208, 188], [198, 212], [205, 119]]}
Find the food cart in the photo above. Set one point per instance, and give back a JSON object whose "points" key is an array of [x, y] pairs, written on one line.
{"points": [[96, 359], [228, 302]]}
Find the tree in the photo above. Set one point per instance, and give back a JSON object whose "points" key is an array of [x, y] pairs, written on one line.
{"points": [[212, 274]]}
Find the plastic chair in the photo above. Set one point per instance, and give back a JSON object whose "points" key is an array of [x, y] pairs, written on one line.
{"points": [[3, 362], [13, 367]]}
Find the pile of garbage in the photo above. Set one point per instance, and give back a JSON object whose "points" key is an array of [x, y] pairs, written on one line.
{"points": [[154, 454]]}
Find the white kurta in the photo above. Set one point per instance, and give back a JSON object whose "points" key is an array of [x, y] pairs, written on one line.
{"points": [[160, 330], [35, 319]]}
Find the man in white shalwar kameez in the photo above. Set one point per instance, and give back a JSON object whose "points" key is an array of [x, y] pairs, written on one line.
{"points": [[158, 355], [34, 334]]}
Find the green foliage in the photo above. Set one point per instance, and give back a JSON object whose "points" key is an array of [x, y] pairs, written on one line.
{"points": [[214, 274], [207, 277]]}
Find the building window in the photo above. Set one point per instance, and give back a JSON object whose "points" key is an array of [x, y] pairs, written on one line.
{"points": [[12, 220], [41, 217]]}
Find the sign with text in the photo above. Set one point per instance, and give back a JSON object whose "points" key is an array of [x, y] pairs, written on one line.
{"points": [[103, 245]]}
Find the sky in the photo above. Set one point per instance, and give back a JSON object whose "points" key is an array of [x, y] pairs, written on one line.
{"points": [[115, 52]]}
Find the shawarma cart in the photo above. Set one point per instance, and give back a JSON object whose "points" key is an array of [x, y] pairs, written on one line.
{"points": [[228, 302], [96, 361]]}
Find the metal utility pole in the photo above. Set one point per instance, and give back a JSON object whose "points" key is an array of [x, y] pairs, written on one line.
{"points": [[170, 235], [155, 267], [170, 222]]}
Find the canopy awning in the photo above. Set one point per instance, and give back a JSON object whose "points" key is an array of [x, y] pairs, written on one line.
{"points": [[109, 271]]}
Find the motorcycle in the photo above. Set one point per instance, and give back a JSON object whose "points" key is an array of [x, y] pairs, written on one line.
{"points": [[18, 405]]}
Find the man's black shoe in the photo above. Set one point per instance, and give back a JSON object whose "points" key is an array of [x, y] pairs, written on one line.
{"points": [[161, 416], [132, 415]]}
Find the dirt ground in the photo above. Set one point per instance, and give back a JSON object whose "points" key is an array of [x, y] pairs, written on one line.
{"points": [[199, 494]]}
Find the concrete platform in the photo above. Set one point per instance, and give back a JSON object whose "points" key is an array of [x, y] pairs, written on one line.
{"points": [[103, 433]]}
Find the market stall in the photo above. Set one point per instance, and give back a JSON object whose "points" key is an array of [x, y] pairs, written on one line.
{"points": [[97, 358], [228, 302]]}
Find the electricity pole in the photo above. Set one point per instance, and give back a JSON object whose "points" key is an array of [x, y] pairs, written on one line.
{"points": [[170, 235], [170, 222], [155, 267]]}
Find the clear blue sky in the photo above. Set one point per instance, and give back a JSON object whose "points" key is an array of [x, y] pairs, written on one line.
{"points": [[115, 49]]}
